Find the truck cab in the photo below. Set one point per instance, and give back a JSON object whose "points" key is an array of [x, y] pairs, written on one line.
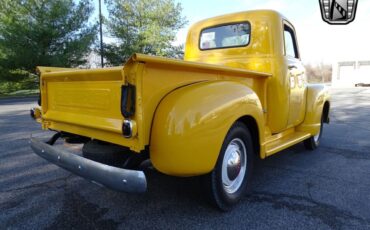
{"points": [[241, 92], [272, 47]]}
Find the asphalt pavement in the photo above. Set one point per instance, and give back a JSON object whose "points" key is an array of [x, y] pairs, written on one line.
{"points": [[328, 188]]}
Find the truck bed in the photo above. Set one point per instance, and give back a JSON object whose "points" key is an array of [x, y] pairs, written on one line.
{"points": [[88, 102]]}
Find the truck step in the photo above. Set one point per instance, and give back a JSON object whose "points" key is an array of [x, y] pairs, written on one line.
{"points": [[285, 142]]}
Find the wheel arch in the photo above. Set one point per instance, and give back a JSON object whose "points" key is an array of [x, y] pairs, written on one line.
{"points": [[252, 125], [325, 112]]}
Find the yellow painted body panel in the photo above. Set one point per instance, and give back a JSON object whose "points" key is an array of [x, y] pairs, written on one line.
{"points": [[189, 133], [84, 102], [317, 96], [184, 108]]}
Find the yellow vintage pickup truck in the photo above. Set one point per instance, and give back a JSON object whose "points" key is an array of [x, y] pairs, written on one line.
{"points": [[241, 92]]}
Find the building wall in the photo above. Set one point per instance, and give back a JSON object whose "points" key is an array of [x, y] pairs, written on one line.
{"points": [[350, 73]]}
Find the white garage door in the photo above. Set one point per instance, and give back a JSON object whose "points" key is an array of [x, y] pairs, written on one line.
{"points": [[363, 74], [346, 75]]}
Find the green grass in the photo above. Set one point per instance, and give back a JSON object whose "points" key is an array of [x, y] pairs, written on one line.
{"points": [[21, 93], [22, 88]]}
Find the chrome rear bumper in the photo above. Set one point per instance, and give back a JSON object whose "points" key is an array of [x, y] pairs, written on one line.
{"points": [[112, 177]]}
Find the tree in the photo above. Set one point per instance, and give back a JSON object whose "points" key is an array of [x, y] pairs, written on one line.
{"points": [[44, 32], [318, 73], [143, 26]]}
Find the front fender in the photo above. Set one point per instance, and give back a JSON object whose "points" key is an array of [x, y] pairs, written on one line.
{"points": [[191, 123], [317, 95]]}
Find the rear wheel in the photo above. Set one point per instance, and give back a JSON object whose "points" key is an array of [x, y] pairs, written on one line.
{"points": [[314, 141], [230, 179]]}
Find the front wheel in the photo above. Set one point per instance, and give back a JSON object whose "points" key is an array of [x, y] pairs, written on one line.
{"points": [[230, 179]]}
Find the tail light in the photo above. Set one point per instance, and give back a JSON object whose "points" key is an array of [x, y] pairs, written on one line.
{"points": [[128, 94]]}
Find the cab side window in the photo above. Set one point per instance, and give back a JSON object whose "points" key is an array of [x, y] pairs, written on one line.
{"points": [[290, 43]]}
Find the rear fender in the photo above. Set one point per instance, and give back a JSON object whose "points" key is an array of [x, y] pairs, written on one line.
{"points": [[191, 123]]}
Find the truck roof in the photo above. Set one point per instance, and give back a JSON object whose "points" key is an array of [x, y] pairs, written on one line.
{"points": [[242, 15]]}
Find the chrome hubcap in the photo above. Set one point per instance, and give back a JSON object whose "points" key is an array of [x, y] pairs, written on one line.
{"points": [[234, 165]]}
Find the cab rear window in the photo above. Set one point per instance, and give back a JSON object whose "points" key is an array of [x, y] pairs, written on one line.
{"points": [[225, 36]]}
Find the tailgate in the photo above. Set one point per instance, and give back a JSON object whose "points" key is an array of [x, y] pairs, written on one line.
{"points": [[84, 102]]}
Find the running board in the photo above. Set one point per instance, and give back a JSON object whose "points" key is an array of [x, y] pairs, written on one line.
{"points": [[285, 142]]}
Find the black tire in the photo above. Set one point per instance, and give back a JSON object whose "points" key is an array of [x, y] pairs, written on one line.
{"points": [[313, 142], [220, 194]]}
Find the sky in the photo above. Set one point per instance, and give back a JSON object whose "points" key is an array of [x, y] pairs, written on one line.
{"points": [[318, 41]]}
